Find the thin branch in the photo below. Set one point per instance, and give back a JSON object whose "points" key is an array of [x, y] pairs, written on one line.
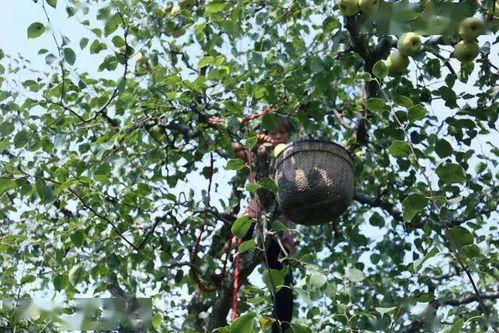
{"points": [[470, 298], [102, 217]]}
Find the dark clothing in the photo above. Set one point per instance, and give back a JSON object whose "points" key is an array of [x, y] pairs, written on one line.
{"points": [[284, 297]]}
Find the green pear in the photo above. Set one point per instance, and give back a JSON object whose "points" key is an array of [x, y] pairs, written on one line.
{"points": [[409, 44], [465, 51], [470, 28], [348, 7], [157, 133], [277, 150], [397, 63], [368, 6]]}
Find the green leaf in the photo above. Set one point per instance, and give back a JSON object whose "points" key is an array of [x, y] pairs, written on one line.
{"points": [[299, 328], [273, 278], [247, 245], [449, 96], [417, 112], [424, 298], [355, 275], [96, 47], [6, 184], [243, 324], [419, 263], [118, 41], [380, 70], [412, 205], [459, 237], [157, 321], [456, 328], [112, 24], [268, 184], [52, 3], [35, 30], [235, 164], [317, 280], [69, 55], [451, 173], [78, 238], [253, 187], [399, 148], [376, 105], [383, 311], [377, 220], [278, 226], [21, 138], [75, 274], [28, 279], [316, 64], [43, 190], [59, 189], [403, 101], [471, 250], [7, 128], [83, 42], [443, 148], [215, 7], [270, 122], [241, 226], [206, 61], [59, 282]]}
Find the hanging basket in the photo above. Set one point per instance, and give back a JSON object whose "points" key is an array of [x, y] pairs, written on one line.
{"points": [[314, 180]]}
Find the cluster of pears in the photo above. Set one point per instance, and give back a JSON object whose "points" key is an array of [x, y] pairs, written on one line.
{"points": [[352, 7], [408, 45], [467, 49]]}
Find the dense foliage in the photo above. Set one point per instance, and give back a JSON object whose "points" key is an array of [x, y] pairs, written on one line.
{"points": [[114, 152]]}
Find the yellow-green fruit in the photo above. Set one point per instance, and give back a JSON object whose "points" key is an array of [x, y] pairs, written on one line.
{"points": [[348, 7], [466, 51], [409, 44], [368, 6], [397, 63], [470, 28], [277, 149], [157, 133]]}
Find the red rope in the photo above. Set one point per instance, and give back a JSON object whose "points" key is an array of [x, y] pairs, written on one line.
{"points": [[235, 288], [217, 278], [258, 115], [193, 272]]}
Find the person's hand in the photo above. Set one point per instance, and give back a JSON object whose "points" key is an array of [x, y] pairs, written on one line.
{"points": [[240, 152]]}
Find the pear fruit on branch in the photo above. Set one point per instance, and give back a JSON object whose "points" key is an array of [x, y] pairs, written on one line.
{"points": [[277, 149], [409, 44], [396, 63], [348, 7], [157, 133], [368, 6], [470, 28], [465, 51]]}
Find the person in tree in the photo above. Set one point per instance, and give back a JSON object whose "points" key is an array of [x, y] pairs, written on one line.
{"points": [[284, 245]]}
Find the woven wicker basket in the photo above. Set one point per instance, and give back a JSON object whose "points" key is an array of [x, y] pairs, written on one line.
{"points": [[315, 181]]}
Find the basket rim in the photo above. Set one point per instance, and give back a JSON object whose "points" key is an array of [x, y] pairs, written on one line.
{"points": [[292, 144]]}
